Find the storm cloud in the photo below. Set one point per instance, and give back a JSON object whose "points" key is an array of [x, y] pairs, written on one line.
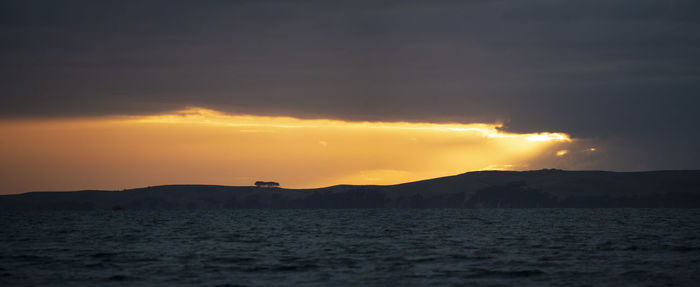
{"points": [[621, 75]]}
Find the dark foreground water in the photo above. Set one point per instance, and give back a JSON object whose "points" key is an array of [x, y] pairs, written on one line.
{"points": [[375, 247]]}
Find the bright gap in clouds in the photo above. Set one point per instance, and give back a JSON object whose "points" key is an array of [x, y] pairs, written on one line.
{"points": [[204, 146]]}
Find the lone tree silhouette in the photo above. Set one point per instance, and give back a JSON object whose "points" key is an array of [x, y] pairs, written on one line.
{"points": [[267, 184]]}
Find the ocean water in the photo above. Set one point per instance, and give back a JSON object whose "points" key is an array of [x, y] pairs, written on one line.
{"points": [[352, 247]]}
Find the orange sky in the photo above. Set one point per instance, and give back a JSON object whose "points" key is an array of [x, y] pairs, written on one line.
{"points": [[204, 146]]}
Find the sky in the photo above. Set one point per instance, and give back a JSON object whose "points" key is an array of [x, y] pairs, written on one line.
{"points": [[119, 94]]}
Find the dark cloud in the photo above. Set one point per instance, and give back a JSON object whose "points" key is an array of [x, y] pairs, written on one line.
{"points": [[623, 73]]}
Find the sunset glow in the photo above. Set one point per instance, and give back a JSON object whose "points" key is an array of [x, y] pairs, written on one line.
{"points": [[204, 146]]}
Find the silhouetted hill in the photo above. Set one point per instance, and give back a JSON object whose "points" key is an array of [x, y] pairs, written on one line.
{"points": [[506, 189]]}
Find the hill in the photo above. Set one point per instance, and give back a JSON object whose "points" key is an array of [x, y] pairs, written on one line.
{"points": [[482, 189]]}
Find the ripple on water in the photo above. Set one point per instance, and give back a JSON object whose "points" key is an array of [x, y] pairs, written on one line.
{"points": [[377, 247]]}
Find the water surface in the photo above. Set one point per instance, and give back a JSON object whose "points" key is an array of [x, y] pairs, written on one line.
{"points": [[372, 247]]}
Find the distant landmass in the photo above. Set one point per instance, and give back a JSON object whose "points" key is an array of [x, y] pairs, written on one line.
{"points": [[548, 188]]}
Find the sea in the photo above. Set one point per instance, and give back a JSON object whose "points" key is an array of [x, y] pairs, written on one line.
{"points": [[352, 247]]}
